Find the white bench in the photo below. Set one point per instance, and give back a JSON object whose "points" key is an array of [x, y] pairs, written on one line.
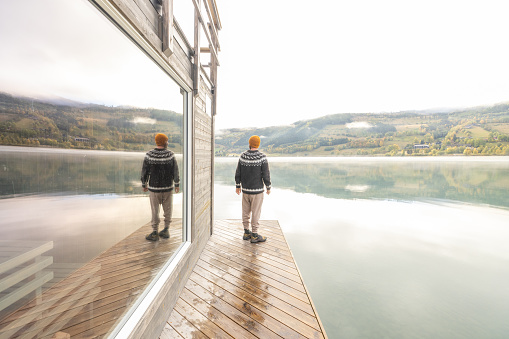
{"points": [[15, 267]]}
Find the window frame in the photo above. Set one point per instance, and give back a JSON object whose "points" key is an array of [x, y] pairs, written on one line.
{"points": [[135, 314]]}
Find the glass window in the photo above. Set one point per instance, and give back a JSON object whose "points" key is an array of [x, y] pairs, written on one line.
{"points": [[80, 106]]}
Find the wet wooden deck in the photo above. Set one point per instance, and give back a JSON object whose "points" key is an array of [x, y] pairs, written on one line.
{"points": [[243, 290], [89, 301]]}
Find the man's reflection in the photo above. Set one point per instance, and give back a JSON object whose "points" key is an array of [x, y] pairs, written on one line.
{"points": [[159, 175]]}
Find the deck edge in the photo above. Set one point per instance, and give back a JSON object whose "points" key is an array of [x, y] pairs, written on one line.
{"points": [[304, 284]]}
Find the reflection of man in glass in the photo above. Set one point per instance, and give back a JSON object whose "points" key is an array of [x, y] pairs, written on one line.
{"points": [[159, 175], [252, 173]]}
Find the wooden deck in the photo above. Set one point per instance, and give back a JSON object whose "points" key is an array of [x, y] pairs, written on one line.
{"points": [[243, 290], [89, 301]]}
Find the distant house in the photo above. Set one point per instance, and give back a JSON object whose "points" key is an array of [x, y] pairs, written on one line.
{"points": [[421, 146], [79, 139]]}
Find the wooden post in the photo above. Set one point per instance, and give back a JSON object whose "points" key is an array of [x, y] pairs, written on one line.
{"points": [[212, 172], [196, 68], [205, 30], [213, 75], [196, 92], [213, 81], [167, 27]]}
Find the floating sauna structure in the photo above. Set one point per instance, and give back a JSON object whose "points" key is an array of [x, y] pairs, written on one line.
{"points": [[129, 290]]}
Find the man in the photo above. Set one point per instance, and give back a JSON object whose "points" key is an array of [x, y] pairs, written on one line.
{"points": [[159, 175], [252, 173]]}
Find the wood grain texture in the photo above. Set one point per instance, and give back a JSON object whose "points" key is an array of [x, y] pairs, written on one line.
{"points": [[243, 290], [141, 17], [167, 24]]}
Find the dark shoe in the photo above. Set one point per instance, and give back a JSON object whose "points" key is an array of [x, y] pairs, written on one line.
{"points": [[257, 238], [247, 234], [164, 233], [152, 236]]}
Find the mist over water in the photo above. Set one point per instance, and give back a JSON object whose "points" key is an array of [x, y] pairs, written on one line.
{"points": [[407, 248]]}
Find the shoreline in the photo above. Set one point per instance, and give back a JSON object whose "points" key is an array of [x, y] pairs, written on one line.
{"points": [[443, 158], [274, 158]]}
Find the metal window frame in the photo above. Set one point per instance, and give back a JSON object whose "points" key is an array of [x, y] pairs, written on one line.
{"points": [[125, 326]]}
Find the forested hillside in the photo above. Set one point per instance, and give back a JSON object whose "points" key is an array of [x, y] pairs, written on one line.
{"points": [[473, 131], [67, 124]]}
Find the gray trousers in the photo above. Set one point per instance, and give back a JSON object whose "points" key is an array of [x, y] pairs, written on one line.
{"points": [[251, 204], [166, 200]]}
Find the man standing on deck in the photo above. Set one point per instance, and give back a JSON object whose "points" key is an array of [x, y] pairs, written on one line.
{"points": [[159, 175], [252, 173]]}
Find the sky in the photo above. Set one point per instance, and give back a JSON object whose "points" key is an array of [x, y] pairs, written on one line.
{"points": [[280, 61], [80, 56], [284, 61]]}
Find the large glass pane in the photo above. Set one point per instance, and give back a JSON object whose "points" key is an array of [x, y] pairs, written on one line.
{"points": [[80, 105]]}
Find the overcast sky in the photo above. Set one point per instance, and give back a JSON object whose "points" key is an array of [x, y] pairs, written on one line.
{"points": [[284, 61], [79, 56], [281, 61]]}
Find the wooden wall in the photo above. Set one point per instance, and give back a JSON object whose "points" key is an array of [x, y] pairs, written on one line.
{"points": [[145, 18], [147, 21]]}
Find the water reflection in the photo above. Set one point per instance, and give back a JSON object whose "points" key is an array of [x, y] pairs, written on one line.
{"points": [[26, 171], [482, 180], [430, 261]]}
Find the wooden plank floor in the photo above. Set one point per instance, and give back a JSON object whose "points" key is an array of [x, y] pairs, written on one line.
{"points": [[89, 301], [243, 290]]}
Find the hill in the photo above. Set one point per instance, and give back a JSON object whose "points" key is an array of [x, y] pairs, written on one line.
{"points": [[70, 124], [479, 130]]}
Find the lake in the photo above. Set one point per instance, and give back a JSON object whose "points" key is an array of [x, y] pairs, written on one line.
{"points": [[393, 247], [388, 247]]}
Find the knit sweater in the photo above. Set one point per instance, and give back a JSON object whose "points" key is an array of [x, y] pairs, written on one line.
{"points": [[160, 171], [252, 172]]}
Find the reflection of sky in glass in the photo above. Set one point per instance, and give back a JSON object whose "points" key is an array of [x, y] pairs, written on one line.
{"points": [[380, 268], [78, 57]]}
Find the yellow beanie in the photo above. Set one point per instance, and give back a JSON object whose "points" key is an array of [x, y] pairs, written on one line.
{"points": [[161, 139], [254, 141]]}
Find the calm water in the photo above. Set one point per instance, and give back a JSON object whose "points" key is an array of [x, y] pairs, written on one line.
{"points": [[394, 248]]}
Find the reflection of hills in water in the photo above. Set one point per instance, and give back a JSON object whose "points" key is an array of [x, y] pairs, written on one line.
{"points": [[466, 181], [34, 171]]}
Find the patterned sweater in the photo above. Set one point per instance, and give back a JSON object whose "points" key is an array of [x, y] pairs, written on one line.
{"points": [[160, 171], [252, 172]]}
